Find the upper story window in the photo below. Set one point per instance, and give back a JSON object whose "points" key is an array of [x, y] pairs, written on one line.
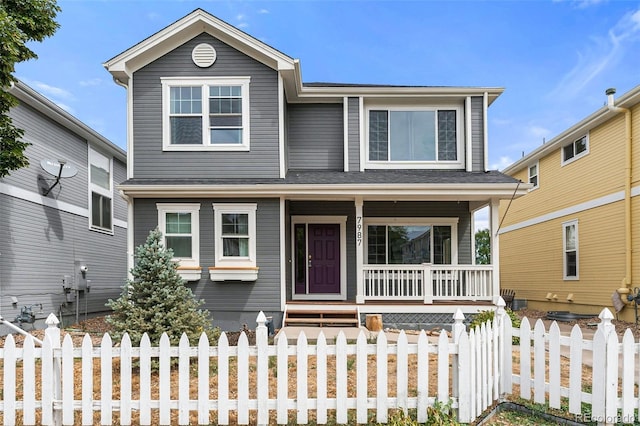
{"points": [[575, 150], [180, 226], [101, 190], [206, 114], [533, 175], [419, 137]]}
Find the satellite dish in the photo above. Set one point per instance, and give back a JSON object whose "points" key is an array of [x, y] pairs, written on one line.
{"points": [[59, 168]]}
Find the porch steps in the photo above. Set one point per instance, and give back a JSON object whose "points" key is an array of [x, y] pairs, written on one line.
{"points": [[319, 317]]}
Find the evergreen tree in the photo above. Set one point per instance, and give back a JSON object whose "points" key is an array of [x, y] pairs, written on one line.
{"points": [[157, 300], [483, 247]]}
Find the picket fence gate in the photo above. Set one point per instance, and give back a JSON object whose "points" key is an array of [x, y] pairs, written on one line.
{"points": [[474, 369]]}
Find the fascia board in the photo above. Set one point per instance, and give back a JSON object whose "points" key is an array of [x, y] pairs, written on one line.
{"points": [[383, 191], [599, 117], [45, 106], [185, 29]]}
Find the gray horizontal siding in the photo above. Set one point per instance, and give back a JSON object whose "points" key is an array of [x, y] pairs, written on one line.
{"points": [[354, 134], [49, 140], [477, 133], [39, 246], [229, 298], [315, 136], [429, 209], [149, 159]]}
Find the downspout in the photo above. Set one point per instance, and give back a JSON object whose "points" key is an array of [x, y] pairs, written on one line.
{"points": [[628, 279]]}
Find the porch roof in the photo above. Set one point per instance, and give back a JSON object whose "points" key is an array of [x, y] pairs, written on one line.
{"points": [[436, 184]]}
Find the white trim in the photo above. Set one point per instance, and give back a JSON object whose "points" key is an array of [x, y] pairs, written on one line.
{"points": [[340, 220], [591, 204], [281, 128], [575, 157], [414, 221], [566, 225], [283, 260], [415, 308], [345, 132], [361, 114], [485, 109], [204, 83], [242, 208], [99, 159], [360, 245], [537, 166], [34, 197], [130, 237], [130, 158], [431, 164], [194, 209], [468, 143], [494, 242]]}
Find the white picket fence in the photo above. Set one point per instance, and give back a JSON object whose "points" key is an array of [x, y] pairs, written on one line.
{"points": [[112, 384]]}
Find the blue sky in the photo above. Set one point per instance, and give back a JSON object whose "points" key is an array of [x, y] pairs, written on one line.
{"points": [[554, 58]]}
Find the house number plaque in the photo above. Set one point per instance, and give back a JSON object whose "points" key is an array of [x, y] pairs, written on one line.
{"points": [[359, 230]]}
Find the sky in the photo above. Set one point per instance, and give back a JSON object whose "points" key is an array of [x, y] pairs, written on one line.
{"points": [[554, 58]]}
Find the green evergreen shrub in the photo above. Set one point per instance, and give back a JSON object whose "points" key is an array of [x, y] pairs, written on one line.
{"points": [[488, 315], [157, 300]]}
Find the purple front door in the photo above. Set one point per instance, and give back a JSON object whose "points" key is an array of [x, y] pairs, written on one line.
{"points": [[324, 258]]}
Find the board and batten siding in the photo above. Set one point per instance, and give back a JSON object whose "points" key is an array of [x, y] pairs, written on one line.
{"points": [[354, 134], [150, 161], [315, 136], [230, 301], [477, 134], [431, 209], [39, 246]]}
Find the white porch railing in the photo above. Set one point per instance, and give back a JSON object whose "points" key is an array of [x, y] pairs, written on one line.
{"points": [[428, 282]]}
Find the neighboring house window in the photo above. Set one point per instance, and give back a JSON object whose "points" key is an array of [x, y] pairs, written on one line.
{"points": [[533, 175], [235, 235], [414, 136], [180, 226], [101, 189], [570, 246], [575, 150], [206, 114], [411, 243]]}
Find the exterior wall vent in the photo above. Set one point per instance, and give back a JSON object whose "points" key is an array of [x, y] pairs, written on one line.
{"points": [[203, 55]]}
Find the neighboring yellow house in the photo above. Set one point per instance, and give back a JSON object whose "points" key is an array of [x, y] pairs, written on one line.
{"points": [[572, 243]]}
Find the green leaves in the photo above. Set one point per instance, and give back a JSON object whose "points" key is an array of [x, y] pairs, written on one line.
{"points": [[21, 21]]}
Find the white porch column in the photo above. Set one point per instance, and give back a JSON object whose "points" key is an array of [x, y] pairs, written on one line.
{"points": [[359, 251], [494, 220]]}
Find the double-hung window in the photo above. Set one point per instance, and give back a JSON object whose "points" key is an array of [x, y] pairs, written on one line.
{"points": [[206, 114], [414, 136], [180, 224], [234, 242], [411, 242], [533, 175], [576, 149], [101, 190], [570, 248]]}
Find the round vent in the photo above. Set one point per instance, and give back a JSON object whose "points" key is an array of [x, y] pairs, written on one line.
{"points": [[203, 55]]}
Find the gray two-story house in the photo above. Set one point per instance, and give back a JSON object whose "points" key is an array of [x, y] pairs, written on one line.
{"points": [[63, 226], [281, 196]]}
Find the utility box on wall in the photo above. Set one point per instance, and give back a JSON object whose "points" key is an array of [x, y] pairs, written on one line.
{"points": [[81, 272]]}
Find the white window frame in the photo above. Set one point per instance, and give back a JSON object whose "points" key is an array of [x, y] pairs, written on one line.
{"points": [[566, 225], [412, 221], [575, 156], [232, 261], [537, 175], [437, 164], [194, 209], [204, 83], [97, 157]]}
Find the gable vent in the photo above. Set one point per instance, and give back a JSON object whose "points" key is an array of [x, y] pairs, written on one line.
{"points": [[203, 55]]}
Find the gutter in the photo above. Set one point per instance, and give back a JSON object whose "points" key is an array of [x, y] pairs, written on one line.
{"points": [[627, 281]]}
